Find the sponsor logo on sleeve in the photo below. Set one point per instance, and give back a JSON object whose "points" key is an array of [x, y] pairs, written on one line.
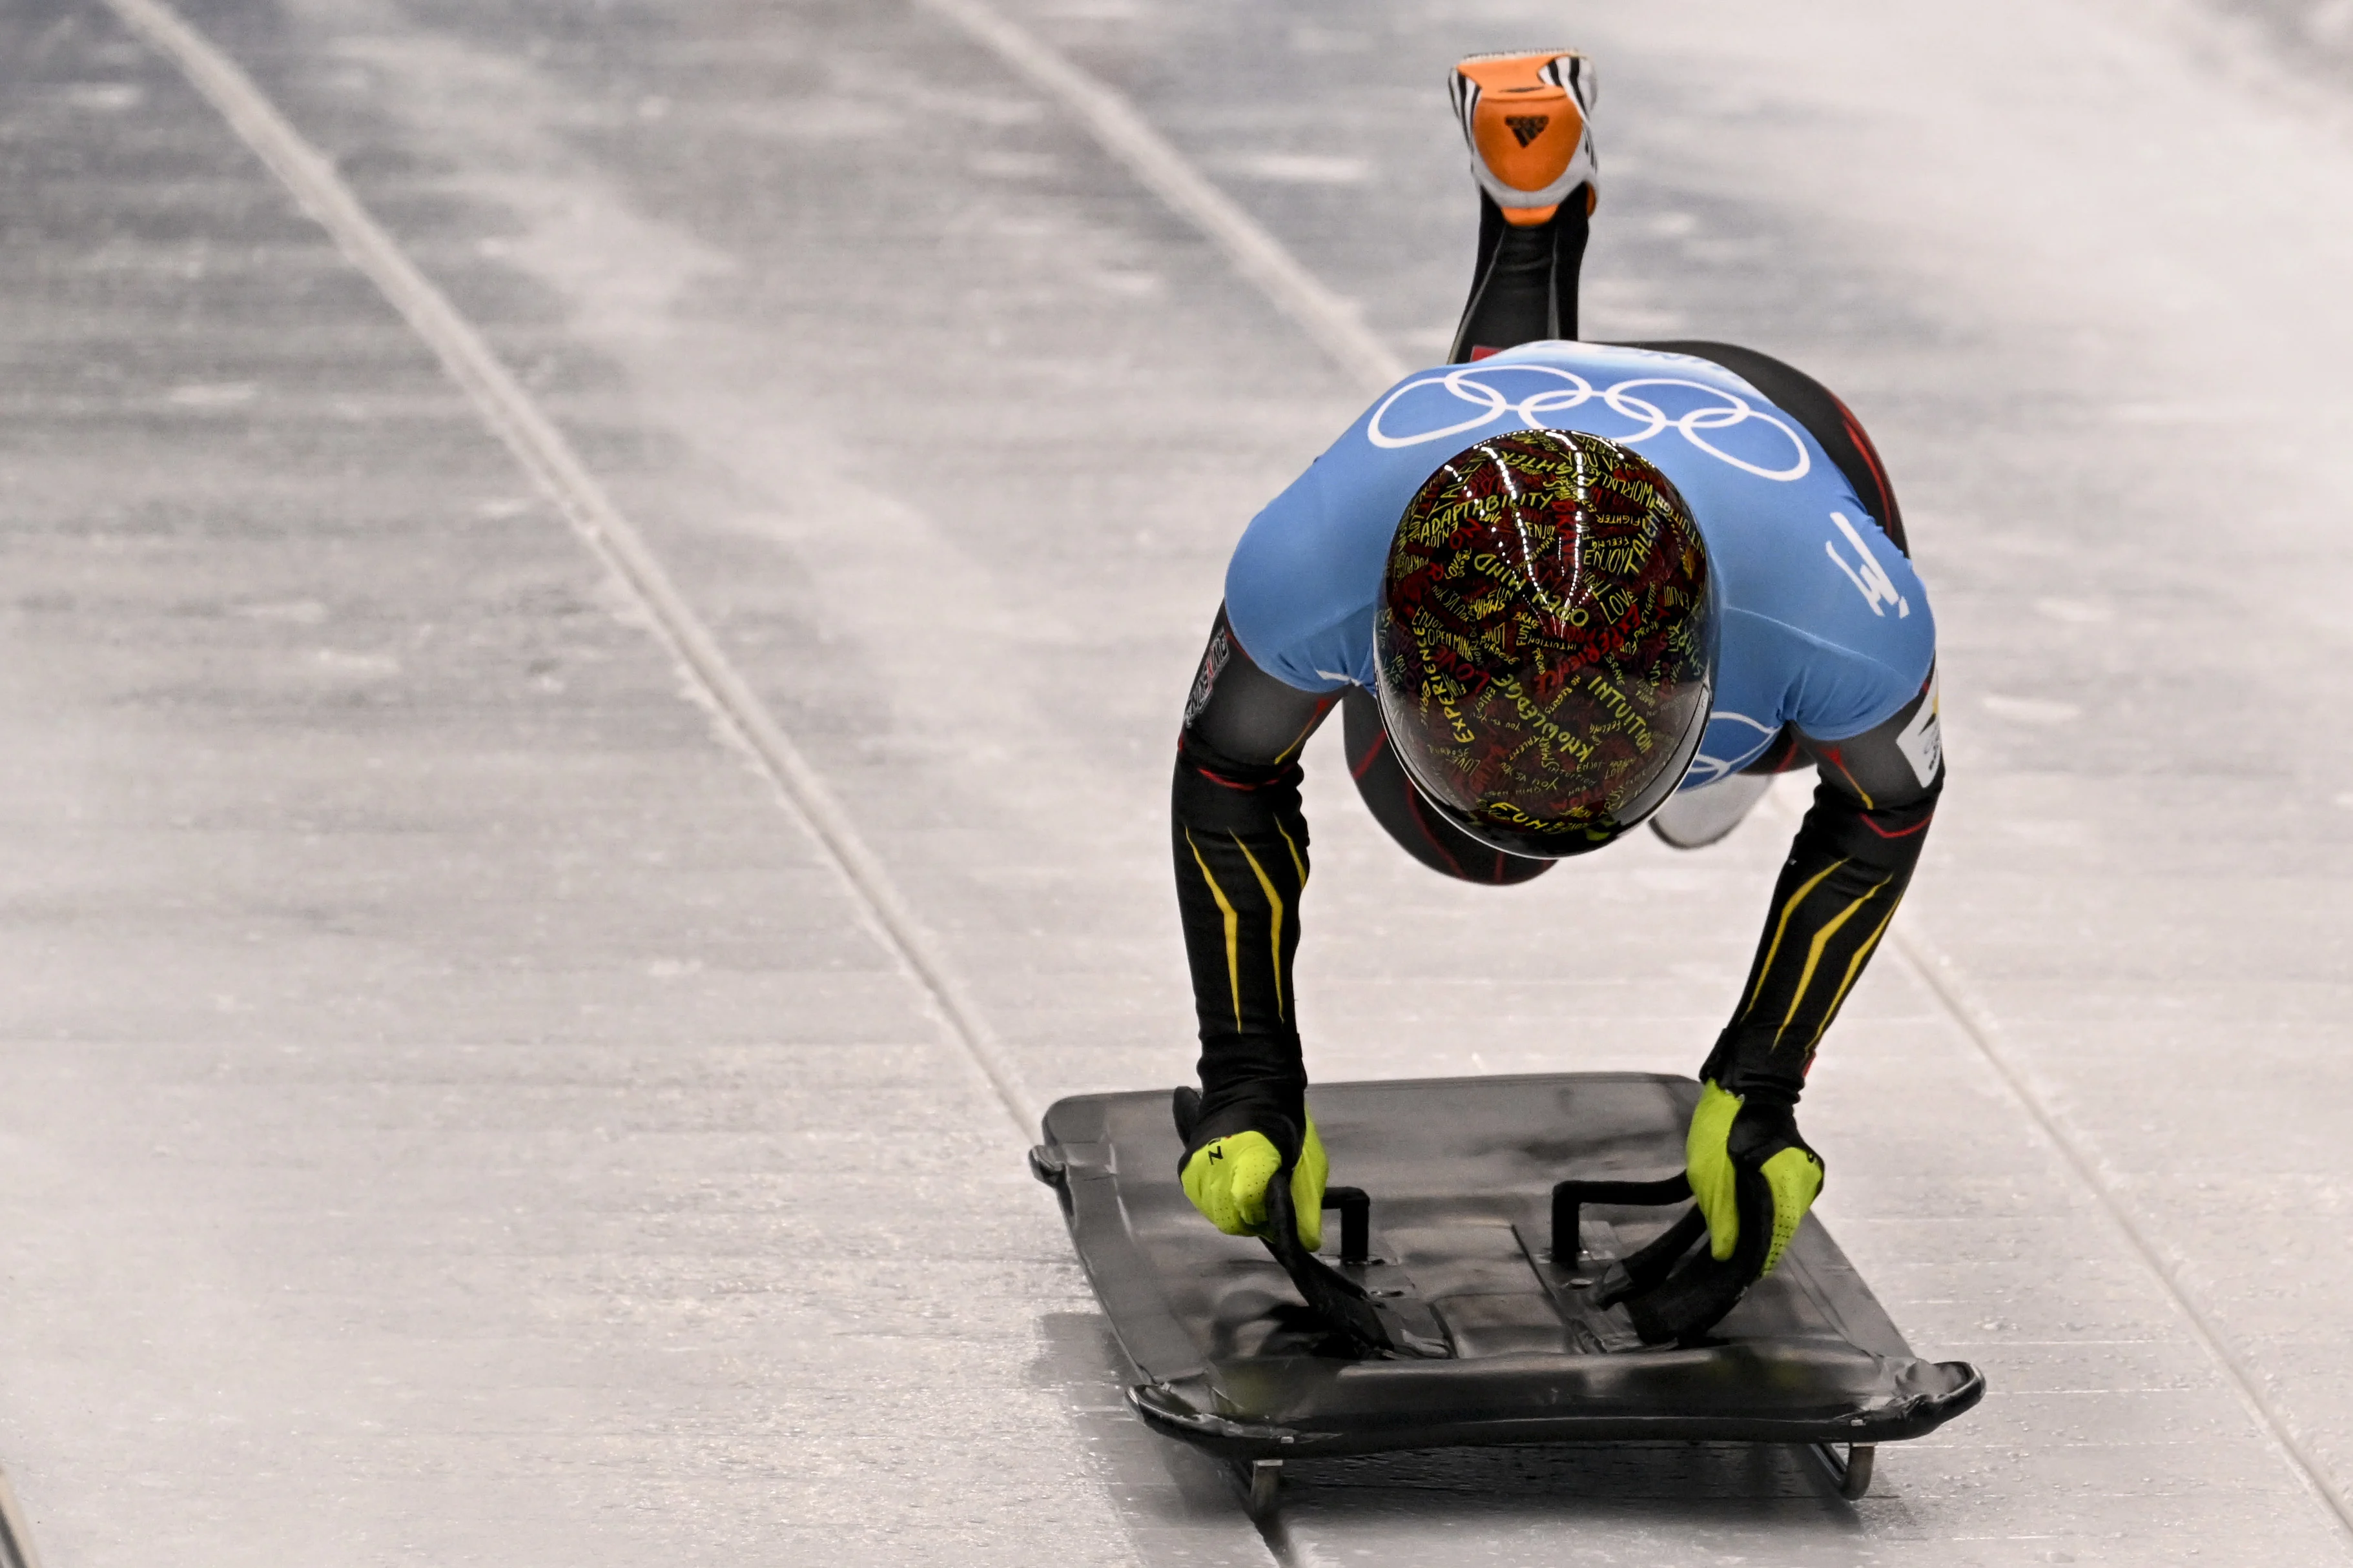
{"points": [[1921, 741], [1870, 579], [1213, 663]]}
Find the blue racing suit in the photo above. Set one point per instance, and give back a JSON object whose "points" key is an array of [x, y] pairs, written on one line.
{"points": [[1827, 654], [1824, 625]]}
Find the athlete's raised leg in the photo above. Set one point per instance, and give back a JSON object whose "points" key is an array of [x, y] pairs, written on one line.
{"points": [[1527, 118]]}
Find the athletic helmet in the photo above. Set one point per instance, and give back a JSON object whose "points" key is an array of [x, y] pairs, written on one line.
{"points": [[1547, 640]]}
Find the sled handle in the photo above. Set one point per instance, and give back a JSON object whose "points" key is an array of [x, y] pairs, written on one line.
{"points": [[1568, 1197], [1355, 1206]]}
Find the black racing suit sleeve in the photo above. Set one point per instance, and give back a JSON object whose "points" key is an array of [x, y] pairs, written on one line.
{"points": [[1847, 871], [1239, 842]]}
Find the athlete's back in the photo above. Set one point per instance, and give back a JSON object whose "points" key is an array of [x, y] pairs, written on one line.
{"points": [[1824, 625]]}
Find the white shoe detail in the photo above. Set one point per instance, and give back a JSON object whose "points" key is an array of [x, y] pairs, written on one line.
{"points": [[1573, 75]]}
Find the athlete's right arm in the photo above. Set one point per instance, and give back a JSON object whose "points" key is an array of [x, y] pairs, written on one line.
{"points": [[1240, 848]]}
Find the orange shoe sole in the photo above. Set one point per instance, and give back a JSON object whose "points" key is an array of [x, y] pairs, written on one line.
{"points": [[1526, 117]]}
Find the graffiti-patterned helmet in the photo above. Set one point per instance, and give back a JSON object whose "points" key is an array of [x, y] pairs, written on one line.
{"points": [[1547, 638]]}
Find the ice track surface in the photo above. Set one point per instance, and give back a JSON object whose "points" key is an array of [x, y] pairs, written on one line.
{"points": [[458, 1109]]}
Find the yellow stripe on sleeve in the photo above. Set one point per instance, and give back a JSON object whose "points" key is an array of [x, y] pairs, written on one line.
{"points": [[1814, 954], [1853, 968], [1266, 886], [1233, 927], [1298, 862], [1764, 970]]}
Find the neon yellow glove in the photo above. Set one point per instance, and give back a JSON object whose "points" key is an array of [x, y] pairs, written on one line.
{"points": [[1729, 1144], [1227, 1177]]}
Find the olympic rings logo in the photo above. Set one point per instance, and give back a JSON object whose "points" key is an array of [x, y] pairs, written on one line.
{"points": [[1463, 383]]}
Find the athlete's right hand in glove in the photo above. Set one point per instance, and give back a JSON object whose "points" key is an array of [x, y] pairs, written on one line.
{"points": [[1752, 1142], [1230, 1159]]}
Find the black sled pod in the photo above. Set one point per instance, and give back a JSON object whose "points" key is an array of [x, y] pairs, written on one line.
{"points": [[1511, 1267]]}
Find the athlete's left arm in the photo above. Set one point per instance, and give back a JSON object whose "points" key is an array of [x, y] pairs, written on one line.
{"points": [[1838, 890], [1846, 872]]}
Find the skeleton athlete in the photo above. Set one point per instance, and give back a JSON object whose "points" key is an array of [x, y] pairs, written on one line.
{"points": [[1559, 589]]}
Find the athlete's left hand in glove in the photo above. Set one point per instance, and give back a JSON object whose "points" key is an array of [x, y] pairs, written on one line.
{"points": [[1750, 1142]]}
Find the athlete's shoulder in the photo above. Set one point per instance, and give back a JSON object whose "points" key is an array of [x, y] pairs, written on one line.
{"points": [[1301, 585], [1828, 625], [1828, 615], [1838, 618]]}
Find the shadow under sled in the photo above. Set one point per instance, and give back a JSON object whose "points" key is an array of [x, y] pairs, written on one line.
{"points": [[1445, 1310]]}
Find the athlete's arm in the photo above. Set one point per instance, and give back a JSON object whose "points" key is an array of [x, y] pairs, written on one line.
{"points": [[1240, 847], [1847, 870]]}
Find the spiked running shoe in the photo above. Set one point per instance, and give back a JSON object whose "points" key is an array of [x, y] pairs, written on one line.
{"points": [[1528, 118]]}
